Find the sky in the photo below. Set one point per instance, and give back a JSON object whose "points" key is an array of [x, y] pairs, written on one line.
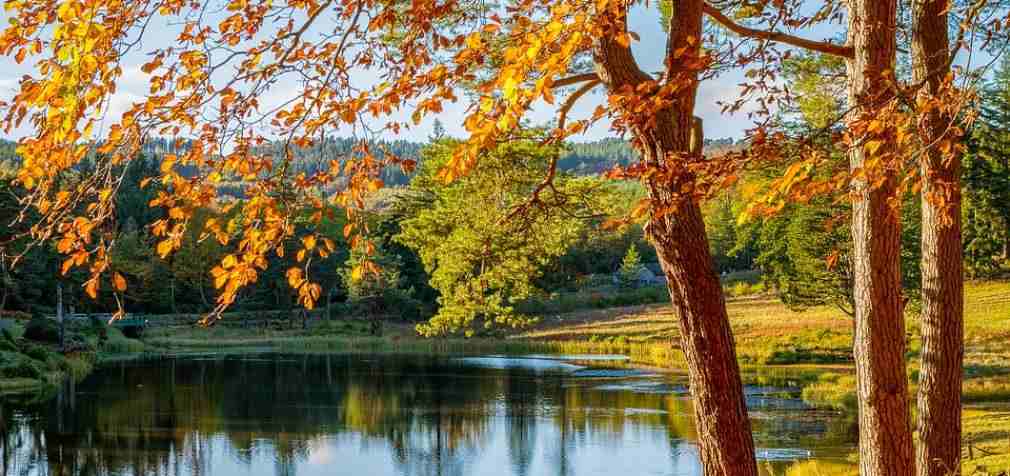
{"points": [[648, 50]]}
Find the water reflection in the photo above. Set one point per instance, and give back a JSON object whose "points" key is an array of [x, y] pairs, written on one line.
{"points": [[384, 415]]}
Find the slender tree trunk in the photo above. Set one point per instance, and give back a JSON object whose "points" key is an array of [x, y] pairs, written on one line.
{"points": [[885, 437], [665, 140], [939, 400], [171, 283]]}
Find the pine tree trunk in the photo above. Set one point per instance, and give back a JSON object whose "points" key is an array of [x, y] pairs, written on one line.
{"points": [[939, 399], [724, 432], [885, 437], [665, 141]]}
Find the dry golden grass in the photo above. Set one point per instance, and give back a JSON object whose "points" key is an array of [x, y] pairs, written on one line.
{"points": [[750, 318], [767, 331]]}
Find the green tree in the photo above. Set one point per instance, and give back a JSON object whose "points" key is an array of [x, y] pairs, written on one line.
{"points": [[986, 176], [487, 236], [630, 268]]}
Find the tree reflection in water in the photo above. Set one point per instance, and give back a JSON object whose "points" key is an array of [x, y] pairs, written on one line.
{"points": [[372, 414]]}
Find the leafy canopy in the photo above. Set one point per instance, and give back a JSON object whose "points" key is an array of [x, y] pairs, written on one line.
{"points": [[481, 238]]}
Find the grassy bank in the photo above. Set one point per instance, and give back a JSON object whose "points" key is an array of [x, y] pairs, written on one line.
{"points": [[32, 366]]}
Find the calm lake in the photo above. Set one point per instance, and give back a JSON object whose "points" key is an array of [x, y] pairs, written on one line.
{"points": [[277, 414]]}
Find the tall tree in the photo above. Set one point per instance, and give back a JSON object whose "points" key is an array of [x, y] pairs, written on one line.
{"points": [[940, 374], [885, 437], [668, 143], [987, 179]]}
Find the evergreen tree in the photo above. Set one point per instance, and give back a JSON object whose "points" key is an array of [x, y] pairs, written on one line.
{"points": [[631, 266], [482, 240], [987, 180]]}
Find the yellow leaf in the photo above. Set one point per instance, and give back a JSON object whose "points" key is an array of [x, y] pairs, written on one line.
{"points": [[873, 146], [295, 277], [164, 248]]}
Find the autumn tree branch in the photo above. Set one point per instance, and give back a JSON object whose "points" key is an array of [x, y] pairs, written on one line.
{"points": [[779, 37], [576, 79]]}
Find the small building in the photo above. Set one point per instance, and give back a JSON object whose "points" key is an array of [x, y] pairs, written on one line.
{"points": [[649, 274]]}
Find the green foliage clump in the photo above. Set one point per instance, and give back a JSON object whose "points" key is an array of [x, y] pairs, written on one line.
{"points": [[832, 390], [986, 178], [381, 291], [7, 341], [482, 240], [119, 343], [16, 365], [42, 329]]}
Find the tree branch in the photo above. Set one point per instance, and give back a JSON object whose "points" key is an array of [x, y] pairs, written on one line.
{"points": [[552, 167], [820, 46], [578, 78]]}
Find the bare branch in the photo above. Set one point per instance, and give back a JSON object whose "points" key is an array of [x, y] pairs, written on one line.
{"points": [[779, 37]]}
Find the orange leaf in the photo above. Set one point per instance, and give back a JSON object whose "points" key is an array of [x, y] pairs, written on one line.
{"points": [[92, 288], [119, 281]]}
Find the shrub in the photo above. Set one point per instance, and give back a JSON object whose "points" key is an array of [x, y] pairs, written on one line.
{"points": [[35, 351], [402, 304], [42, 329], [118, 343], [7, 341], [832, 390], [77, 343], [13, 365]]}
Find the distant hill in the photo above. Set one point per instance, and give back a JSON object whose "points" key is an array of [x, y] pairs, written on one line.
{"points": [[581, 158]]}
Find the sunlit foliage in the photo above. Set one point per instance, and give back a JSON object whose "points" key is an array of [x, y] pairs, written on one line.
{"points": [[484, 240]]}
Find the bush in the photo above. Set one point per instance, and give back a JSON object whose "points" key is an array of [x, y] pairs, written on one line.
{"points": [[7, 341], [118, 343], [35, 351], [13, 365], [77, 343], [832, 390], [402, 304], [41, 329]]}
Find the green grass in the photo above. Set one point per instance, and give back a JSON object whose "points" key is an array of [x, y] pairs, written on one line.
{"points": [[832, 390], [986, 436], [117, 343], [821, 468]]}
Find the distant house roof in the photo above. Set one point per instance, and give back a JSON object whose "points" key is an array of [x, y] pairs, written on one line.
{"points": [[655, 268], [646, 275]]}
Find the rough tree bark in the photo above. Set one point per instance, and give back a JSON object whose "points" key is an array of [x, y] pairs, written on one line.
{"points": [[939, 399], [724, 432], [885, 438]]}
